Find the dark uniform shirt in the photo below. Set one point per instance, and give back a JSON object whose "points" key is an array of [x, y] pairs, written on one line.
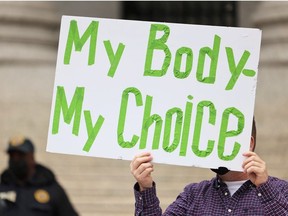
{"points": [[40, 196]]}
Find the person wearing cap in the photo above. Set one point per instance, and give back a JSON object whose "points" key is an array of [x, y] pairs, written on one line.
{"points": [[28, 188], [251, 192]]}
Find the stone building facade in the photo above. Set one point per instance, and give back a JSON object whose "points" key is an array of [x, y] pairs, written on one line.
{"points": [[28, 49]]}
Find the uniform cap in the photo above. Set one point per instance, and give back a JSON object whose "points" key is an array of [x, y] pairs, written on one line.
{"points": [[20, 144]]}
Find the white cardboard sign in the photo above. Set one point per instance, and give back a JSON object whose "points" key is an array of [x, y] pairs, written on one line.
{"points": [[183, 92]]}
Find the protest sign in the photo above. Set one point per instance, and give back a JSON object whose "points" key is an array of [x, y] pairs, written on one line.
{"points": [[183, 92]]}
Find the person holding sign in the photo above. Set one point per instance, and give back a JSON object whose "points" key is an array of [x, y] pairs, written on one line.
{"points": [[28, 188], [251, 192]]}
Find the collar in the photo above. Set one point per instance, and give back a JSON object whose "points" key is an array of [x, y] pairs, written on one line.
{"points": [[218, 183]]}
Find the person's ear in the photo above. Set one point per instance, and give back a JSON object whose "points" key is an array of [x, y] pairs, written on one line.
{"points": [[252, 144]]}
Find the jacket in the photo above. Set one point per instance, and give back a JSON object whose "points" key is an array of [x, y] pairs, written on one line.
{"points": [[40, 196]]}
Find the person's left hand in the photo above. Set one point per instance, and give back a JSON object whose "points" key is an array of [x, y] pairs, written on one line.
{"points": [[255, 167]]}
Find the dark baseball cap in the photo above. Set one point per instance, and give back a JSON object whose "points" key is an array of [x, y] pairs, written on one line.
{"points": [[20, 144]]}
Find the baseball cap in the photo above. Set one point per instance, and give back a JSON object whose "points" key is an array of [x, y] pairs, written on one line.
{"points": [[20, 144]]}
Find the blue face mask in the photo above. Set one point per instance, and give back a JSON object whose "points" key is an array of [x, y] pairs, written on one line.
{"points": [[221, 170]]}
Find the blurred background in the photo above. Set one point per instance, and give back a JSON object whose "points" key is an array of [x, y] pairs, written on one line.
{"points": [[29, 34]]}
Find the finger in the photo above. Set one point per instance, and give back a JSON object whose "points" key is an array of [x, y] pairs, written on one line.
{"points": [[143, 173], [256, 163], [138, 161], [254, 169], [248, 160], [252, 164], [249, 153], [143, 154], [146, 172], [134, 165], [142, 158], [253, 157], [142, 168]]}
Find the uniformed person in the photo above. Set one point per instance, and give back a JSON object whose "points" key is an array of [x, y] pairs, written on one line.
{"points": [[28, 188]]}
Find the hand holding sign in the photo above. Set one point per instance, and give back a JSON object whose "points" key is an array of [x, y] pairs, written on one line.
{"points": [[255, 167], [141, 168]]}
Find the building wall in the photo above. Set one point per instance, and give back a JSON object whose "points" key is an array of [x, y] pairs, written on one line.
{"points": [[103, 9], [246, 10], [101, 186]]}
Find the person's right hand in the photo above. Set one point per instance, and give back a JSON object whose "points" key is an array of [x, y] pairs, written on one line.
{"points": [[141, 168]]}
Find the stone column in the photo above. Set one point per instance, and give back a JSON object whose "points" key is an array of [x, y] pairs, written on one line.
{"points": [[28, 49], [272, 88]]}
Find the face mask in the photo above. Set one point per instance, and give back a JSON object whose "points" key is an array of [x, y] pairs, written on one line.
{"points": [[19, 168], [221, 170]]}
